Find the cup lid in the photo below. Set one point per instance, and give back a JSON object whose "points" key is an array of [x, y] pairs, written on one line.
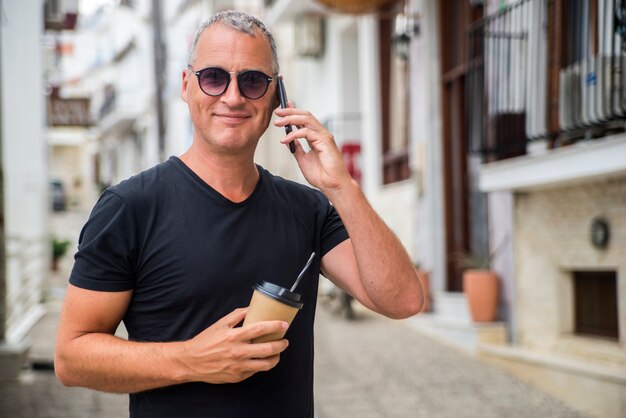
{"points": [[279, 293]]}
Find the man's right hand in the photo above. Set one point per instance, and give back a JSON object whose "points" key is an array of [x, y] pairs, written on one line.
{"points": [[223, 353], [89, 355]]}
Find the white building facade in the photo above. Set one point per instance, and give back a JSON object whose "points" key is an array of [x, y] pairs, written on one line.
{"points": [[559, 193], [108, 63], [25, 183]]}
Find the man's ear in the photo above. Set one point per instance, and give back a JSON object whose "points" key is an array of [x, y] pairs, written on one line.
{"points": [[276, 99], [183, 93]]}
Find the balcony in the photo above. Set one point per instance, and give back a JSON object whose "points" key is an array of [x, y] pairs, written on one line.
{"points": [[546, 76], [60, 14], [119, 109], [69, 112]]}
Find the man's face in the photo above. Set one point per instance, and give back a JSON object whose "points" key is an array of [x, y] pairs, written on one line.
{"points": [[229, 123]]}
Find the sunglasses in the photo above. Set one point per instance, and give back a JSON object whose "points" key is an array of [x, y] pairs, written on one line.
{"points": [[214, 81]]}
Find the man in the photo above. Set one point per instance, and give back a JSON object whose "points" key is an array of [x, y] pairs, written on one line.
{"points": [[175, 250]]}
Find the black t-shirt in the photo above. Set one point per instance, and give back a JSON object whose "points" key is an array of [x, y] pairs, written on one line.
{"points": [[191, 256]]}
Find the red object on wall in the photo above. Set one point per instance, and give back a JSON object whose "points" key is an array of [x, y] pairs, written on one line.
{"points": [[351, 152]]}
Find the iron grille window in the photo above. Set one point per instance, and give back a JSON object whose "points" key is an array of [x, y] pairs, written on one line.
{"points": [[595, 303], [497, 95], [546, 70]]}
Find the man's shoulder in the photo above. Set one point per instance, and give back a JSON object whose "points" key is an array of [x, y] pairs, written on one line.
{"points": [[295, 194], [147, 181], [286, 185], [146, 187]]}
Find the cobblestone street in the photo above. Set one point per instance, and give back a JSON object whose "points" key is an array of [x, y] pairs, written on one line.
{"points": [[373, 367]]}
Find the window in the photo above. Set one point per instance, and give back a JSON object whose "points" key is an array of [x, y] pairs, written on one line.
{"points": [[394, 103], [595, 304], [544, 70], [585, 69]]}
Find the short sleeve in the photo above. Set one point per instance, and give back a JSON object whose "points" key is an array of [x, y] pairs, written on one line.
{"points": [[333, 231], [105, 260]]}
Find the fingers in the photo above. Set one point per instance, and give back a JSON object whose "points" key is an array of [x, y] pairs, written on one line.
{"points": [[260, 351], [262, 365], [232, 319], [299, 118], [259, 357], [258, 329], [310, 135], [224, 353], [299, 152], [308, 127], [250, 367]]}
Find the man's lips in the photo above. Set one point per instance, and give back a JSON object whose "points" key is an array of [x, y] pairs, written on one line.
{"points": [[232, 117]]}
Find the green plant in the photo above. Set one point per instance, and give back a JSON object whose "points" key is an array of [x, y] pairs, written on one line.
{"points": [[468, 260], [59, 248]]}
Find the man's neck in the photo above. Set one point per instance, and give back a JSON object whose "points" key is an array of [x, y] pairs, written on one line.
{"points": [[233, 176]]}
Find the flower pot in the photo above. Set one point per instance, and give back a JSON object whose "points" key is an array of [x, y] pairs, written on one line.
{"points": [[481, 290]]}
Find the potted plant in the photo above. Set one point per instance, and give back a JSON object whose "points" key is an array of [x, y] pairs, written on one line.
{"points": [[59, 248], [480, 285]]}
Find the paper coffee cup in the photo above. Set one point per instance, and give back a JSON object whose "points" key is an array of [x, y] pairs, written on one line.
{"points": [[272, 302]]}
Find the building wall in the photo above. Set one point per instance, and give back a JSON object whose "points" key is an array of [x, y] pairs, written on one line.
{"points": [[396, 205], [66, 165], [180, 30], [111, 48], [24, 162], [552, 229], [425, 142], [502, 244]]}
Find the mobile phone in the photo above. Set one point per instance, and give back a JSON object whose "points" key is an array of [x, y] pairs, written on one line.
{"points": [[282, 97]]}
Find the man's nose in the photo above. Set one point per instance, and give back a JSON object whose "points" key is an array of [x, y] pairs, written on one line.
{"points": [[232, 95]]}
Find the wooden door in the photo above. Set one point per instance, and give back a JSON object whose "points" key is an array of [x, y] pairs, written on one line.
{"points": [[455, 17]]}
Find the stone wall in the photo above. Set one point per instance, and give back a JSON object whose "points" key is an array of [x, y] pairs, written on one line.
{"points": [[552, 229], [395, 203]]}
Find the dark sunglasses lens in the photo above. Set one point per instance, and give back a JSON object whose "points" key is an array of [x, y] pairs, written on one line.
{"points": [[214, 81], [253, 84]]}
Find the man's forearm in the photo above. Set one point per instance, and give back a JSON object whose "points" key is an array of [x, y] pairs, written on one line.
{"points": [[388, 280], [111, 364], [386, 270], [222, 353]]}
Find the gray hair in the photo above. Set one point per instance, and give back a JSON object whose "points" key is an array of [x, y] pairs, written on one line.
{"points": [[241, 22]]}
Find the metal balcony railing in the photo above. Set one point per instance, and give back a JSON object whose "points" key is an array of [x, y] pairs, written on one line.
{"points": [[545, 69]]}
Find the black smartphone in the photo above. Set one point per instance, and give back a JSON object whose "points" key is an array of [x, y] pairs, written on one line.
{"points": [[282, 97]]}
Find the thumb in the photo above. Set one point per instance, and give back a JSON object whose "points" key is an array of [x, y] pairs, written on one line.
{"points": [[232, 319], [299, 153]]}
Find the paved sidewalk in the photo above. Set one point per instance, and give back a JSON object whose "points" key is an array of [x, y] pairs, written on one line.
{"points": [[373, 367], [38, 394]]}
